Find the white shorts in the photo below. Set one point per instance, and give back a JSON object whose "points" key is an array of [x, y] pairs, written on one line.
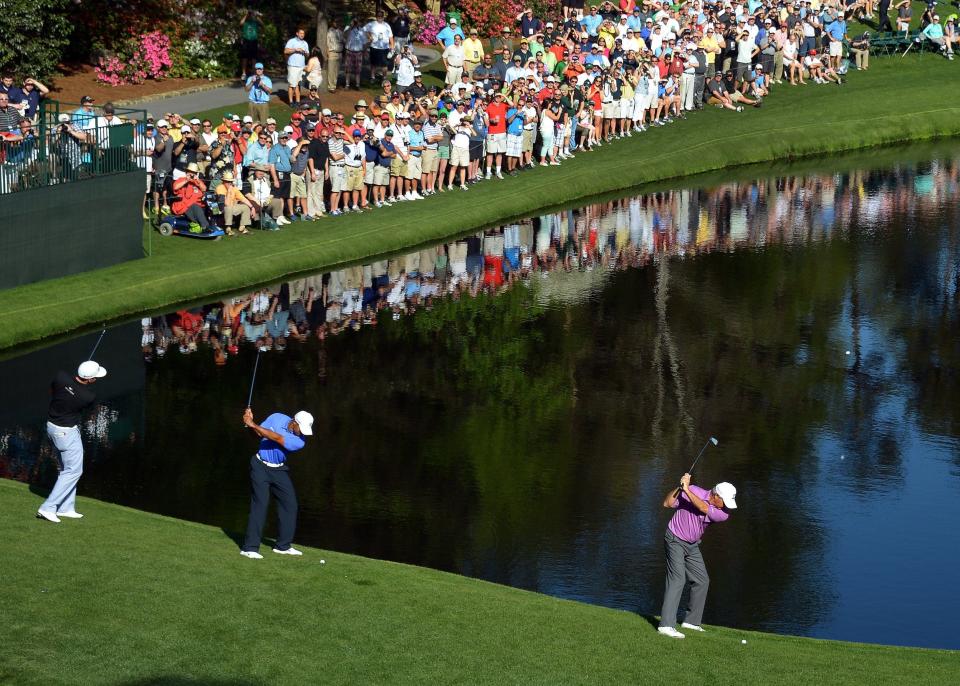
{"points": [[496, 143], [836, 48], [611, 110], [626, 108], [640, 103], [414, 168], [514, 146], [294, 76], [338, 179], [459, 157]]}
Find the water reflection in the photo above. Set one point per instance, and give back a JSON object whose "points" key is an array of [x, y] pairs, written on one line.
{"points": [[512, 405]]}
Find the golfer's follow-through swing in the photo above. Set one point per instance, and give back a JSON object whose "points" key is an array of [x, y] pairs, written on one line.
{"points": [[279, 435], [695, 509]]}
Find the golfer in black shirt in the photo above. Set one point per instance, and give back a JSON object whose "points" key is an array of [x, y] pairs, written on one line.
{"points": [[70, 395]]}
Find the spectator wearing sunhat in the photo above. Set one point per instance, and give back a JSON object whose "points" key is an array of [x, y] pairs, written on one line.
{"points": [[261, 196], [259, 88], [235, 205], [70, 396]]}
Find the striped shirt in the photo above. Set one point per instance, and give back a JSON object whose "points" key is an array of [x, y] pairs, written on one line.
{"points": [[336, 148], [429, 131]]}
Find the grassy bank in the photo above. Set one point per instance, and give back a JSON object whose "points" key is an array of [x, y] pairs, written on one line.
{"points": [[894, 102], [125, 597]]}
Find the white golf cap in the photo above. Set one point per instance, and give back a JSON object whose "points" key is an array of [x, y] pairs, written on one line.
{"points": [[305, 421], [162, 122], [91, 370], [248, 119], [727, 493], [194, 121]]}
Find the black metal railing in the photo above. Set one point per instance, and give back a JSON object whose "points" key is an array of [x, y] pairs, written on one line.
{"points": [[69, 142]]}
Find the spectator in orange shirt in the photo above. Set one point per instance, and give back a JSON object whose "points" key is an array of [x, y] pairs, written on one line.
{"points": [[189, 191]]}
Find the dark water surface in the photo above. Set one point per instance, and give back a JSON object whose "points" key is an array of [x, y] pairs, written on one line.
{"points": [[525, 430]]}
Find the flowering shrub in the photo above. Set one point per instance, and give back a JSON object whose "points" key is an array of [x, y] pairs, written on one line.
{"points": [[136, 60], [426, 27], [489, 18]]}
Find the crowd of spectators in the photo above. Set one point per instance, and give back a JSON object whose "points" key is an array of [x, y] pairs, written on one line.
{"points": [[540, 91]]}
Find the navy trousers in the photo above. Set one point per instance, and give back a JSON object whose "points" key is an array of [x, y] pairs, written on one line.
{"points": [[264, 482]]}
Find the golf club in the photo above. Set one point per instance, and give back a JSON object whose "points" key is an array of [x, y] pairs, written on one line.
{"points": [[254, 379], [710, 440], [97, 345]]}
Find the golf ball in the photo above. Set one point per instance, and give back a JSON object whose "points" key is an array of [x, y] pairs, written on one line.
{"points": [[744, 641], [323, 562], [848, 352]]}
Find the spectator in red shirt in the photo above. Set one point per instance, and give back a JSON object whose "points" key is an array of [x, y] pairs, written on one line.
{"points": [[189, 191], [496, 133]]}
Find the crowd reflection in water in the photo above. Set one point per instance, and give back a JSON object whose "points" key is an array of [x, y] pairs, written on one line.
{"points": [[613, 235]]}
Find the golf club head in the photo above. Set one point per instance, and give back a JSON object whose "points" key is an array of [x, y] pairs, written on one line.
{"points": [[714, 440]]}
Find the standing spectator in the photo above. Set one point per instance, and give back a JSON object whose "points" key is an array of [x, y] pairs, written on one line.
{"points": [[295, 51], [473, 52], [381, 41], [405, 66], [299, 158], [836, 34], [529, 24], [502, 42], [356, 45], [446, 35], [355, 158], [162, 163], [280, 163], [27, 98], [496, 134], [336, 170], [317, 164], [250, 27], [335, 47], [259, 88], [884, 23], [9, 115], [453, 57], [314, 73], [400, 26]]}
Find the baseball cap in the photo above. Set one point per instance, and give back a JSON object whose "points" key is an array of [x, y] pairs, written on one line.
{"points": [[185, 129], [258, 65], [388, 132], [305, 421], [357, 132], [326, 112], [63, 117], [417, 73], [271, 120], [85, 99], [727, 493], [162, 123], [91, 370], [194, 121], [248, 119]]}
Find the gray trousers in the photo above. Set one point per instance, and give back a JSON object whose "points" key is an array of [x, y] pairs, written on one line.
{"points": [[64, 494], [684, 562]]}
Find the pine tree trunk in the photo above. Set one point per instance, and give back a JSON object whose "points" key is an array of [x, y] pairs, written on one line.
{"points": [[323, 23]]}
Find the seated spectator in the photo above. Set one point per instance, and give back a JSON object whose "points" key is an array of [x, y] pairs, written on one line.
{"points": [[264, 207], [189, 192], [236, 206]]}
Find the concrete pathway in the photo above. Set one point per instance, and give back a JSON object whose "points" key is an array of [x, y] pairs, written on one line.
{"points": [[234, 93]]}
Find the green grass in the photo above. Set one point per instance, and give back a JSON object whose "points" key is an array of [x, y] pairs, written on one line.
{"points": [[126, 597], [896, 101]]}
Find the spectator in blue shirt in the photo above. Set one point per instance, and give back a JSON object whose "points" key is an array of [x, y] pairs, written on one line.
{"points": [[259, 87], [591, 22], [446, 34], [529, 24]]}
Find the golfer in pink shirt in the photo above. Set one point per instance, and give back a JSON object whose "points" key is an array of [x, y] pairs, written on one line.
{"points": [[696, 508]]}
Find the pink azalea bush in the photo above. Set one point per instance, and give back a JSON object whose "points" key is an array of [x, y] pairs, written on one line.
{"points": [[141, 58], [426, 28]]}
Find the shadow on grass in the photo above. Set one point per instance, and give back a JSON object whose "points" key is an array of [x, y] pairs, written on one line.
{"points": [[174, 680], [238, 536]]}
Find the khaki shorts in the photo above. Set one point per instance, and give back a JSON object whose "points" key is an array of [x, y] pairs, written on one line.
{"points": [[298, 186], [398, 167], [413, 168], [368, 175], [354, 181], [429, 161], [381, 176], [611, 110], [338, 179], [528, 137], [496, 143], [294, 76], [459, 157]]}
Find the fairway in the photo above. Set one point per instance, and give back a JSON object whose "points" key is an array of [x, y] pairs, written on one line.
{"points": [[125, 597]]}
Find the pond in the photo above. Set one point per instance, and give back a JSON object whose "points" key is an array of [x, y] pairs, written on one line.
{"points": [[514, 405]]}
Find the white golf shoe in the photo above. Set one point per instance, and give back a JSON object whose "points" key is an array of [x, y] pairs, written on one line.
{"points": [[289, 551], [72, 514], [669, 631], [693, 627], [252, 554], [48, 515]]}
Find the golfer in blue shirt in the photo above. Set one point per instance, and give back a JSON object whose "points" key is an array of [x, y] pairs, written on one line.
{"points": [[279, 435]]}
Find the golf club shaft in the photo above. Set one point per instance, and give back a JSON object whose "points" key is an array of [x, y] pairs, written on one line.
{"points": [[254, 379], [97, 344], [690, 471]]}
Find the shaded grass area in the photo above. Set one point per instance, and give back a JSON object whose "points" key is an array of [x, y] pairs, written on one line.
{"points": [[894, 102], [126, 597]]}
